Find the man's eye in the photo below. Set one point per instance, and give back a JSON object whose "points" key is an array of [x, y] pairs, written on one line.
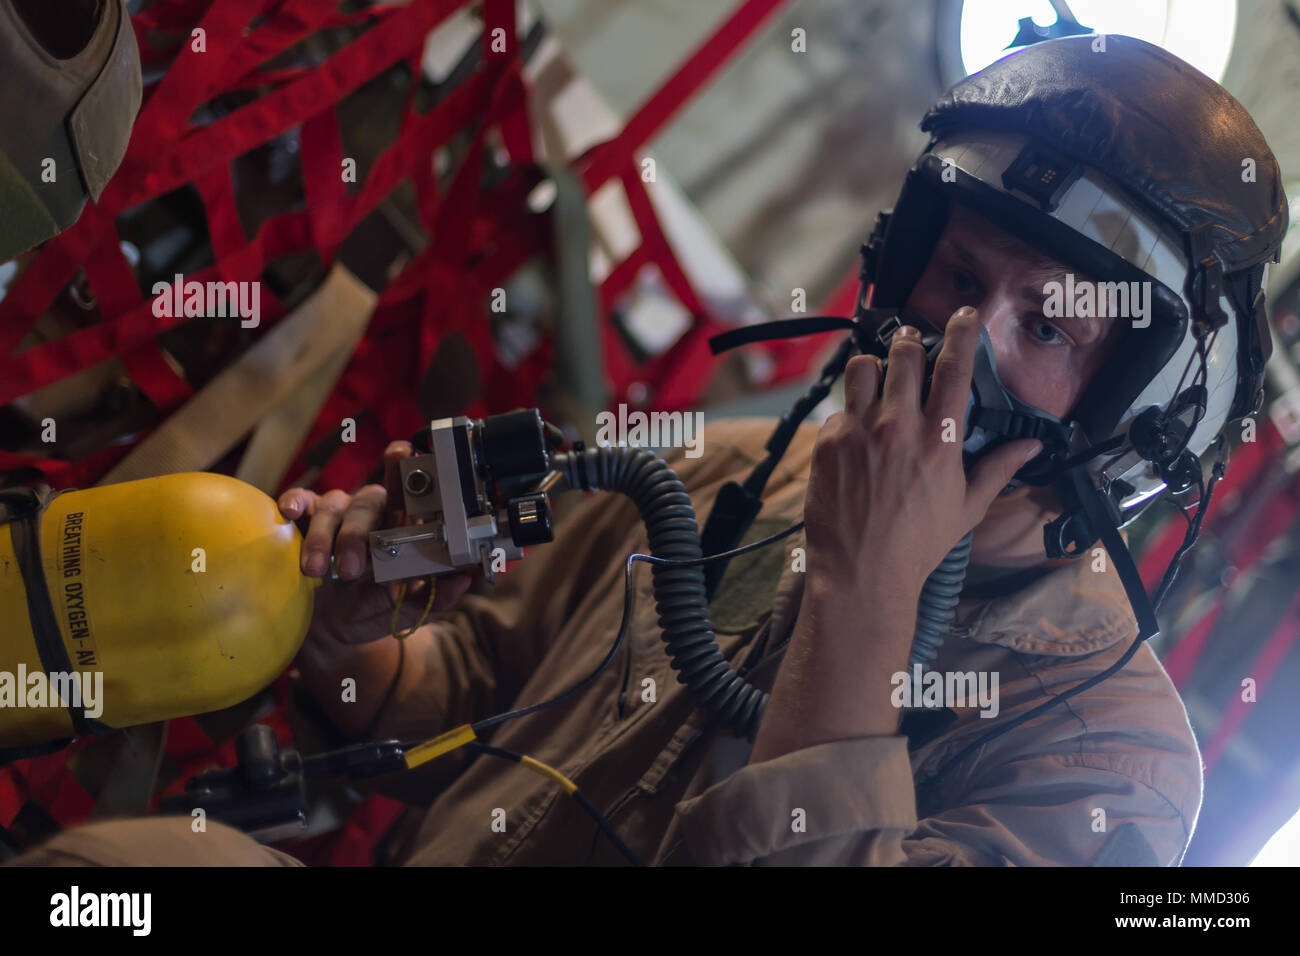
{"points": [[963, 282], [1047, 333]]}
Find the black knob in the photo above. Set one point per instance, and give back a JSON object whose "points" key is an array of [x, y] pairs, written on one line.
{"points": [[530, 519]]}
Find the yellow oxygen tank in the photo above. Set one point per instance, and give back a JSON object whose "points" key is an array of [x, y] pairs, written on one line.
{"points": [[182, 593]]}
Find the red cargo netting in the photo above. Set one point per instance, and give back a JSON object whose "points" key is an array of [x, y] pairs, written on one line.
{"points": [[479, 237]]}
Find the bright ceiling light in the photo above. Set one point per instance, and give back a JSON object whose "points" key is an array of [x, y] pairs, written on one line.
{"points": [[1198, 31]]}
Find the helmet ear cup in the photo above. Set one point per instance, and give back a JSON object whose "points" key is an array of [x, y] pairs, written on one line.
{"points": [[1147, 433], [1161, 437]]}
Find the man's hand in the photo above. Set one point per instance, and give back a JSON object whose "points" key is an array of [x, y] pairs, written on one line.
{"points": [[352, 610], [887, 495], [887, 499], [353, 614]]}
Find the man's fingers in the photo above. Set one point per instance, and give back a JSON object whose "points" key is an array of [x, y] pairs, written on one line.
{"points": [[993, 472], [450, 590], [902, 392], [861, 384], [318, 543], [362, 516], [296, 503], [393, 456], [950, 385]]}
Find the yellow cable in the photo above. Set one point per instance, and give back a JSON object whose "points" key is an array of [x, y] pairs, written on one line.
{"points": [[458, 737], [547, 771], [397, 607]]}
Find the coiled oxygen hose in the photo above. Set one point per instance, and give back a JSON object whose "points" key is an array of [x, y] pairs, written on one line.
{"points": [[680, 600], [680, 597], [938, 603]]}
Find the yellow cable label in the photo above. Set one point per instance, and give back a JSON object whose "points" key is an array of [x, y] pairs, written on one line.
{"points": [[443, 743]]}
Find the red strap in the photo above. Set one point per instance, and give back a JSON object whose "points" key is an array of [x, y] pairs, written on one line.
{"points": [[424, 178], [512, 117], [69, 474], [656, 243], [322, 180], [53, 268], [56, 360], [382, 367], [171, 15], [225, 231], [47, 782], [189, 80], [116, 291], [285, 27]]}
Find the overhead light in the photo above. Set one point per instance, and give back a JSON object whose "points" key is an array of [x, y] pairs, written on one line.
{"points": [[1197, 31]]}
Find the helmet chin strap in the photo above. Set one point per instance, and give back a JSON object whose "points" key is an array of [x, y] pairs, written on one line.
{"points": [[1090, 515]]}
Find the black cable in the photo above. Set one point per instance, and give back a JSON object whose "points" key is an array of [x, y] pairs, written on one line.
{"points": [[1181, 511], [1178, 388], [1202, 376], [734, 553], [632, 559], [577, 795], [1194, 529], [608, 830]]}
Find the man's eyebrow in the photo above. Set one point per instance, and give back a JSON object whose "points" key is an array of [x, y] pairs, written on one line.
{"points": [[1040, 272], [961, 252], [1037, 293]]}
